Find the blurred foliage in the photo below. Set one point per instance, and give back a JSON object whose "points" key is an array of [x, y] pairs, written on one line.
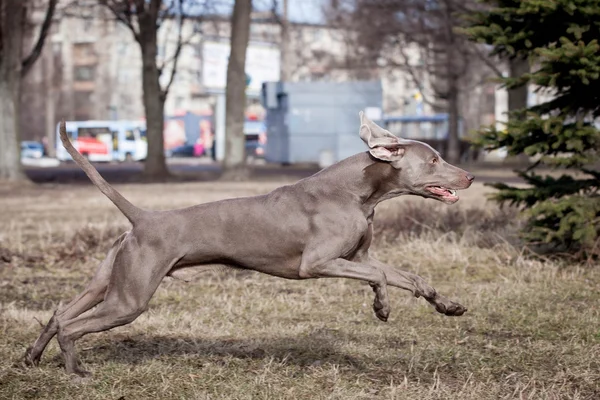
{"points": [[560, 40]]}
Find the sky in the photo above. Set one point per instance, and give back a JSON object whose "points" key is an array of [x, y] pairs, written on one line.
{"points": [[302, 11], [307, 11]]}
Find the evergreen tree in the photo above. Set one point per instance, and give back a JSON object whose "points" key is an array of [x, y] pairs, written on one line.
{"points": [[559, 38]]}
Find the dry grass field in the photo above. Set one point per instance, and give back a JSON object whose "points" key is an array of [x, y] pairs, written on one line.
{"points": [[532, 330]]}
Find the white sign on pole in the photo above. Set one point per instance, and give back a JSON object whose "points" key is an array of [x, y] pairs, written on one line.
{"points": [[262, 65]]}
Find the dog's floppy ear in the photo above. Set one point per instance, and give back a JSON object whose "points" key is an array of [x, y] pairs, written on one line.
{"points": [[382, 144]]}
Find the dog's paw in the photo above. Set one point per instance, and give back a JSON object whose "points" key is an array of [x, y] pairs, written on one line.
{"points": [[451, 310], [382, 311], [29, 360], [448, 307]]}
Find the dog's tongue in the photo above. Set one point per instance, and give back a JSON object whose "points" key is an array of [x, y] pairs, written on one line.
{"points": [[446, 193]]}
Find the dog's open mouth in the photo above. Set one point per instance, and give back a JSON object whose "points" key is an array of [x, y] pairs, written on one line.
{"points": [[444, 193]]}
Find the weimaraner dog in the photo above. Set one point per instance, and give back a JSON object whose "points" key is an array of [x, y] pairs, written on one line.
{"points": [[323, 228]]}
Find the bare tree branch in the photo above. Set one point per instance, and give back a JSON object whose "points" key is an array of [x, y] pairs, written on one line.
{"points": [[486, 59], [276, 16], [184, 42], [37, 49], [182, 16], [180, 44], [167, 10], [153, 8], [413, 75], [122, 12]]}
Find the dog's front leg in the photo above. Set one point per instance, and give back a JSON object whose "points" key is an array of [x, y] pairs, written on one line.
{"points": [[419, 287], [341, 268]]}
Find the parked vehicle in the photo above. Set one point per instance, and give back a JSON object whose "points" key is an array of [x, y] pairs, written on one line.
{"points": [[256, 138], [105, 140], [186, 150], [31, 149]]}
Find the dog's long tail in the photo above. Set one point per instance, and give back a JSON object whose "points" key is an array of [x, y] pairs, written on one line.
{"points": [[129, 210]]}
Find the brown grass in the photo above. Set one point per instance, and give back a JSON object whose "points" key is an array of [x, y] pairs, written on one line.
{"points": [[532, 330]]}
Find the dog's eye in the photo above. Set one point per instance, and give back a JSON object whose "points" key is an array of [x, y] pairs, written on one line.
{"points": [[434, 161]]}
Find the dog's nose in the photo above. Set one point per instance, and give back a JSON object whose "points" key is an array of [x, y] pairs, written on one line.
{"points": [[470, 177]]}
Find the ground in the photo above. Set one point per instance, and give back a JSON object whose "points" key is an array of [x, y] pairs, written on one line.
{"points": [[532, 329]]}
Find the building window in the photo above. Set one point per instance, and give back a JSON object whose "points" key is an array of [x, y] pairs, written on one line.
{"points": [[84, 73], [197, 49], [56, 49], [82, 98], [180, 76], [87, 24], [255, 31], [197, 27], [317, 34], [179, 102], [83, 50]]}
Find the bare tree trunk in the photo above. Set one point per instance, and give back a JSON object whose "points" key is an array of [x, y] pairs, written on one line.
{"points": [[154, 102], [285, 44], [143, 18], [453, 142], [517, 98], [155, 168], [50, 104], [12, 13], [452, 65], [235, 93], [10, 149]]}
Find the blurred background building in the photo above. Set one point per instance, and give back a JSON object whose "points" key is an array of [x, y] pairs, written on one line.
{"points": [[91, 69]]}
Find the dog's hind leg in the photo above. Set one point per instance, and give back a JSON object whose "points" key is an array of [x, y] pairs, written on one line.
{"points": [[90, 297], [136, 274]]}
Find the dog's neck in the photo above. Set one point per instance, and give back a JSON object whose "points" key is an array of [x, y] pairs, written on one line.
{"points": [[379, 183], [365, 180]]}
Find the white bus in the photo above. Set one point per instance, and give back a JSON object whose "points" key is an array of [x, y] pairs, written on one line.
{"points": [[105, 140]]}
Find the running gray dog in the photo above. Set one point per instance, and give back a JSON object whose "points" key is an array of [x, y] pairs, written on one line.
{"points": [[319, 227]]}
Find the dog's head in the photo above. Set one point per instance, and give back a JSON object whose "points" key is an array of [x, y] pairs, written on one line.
{"points": [[416, 166]]}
